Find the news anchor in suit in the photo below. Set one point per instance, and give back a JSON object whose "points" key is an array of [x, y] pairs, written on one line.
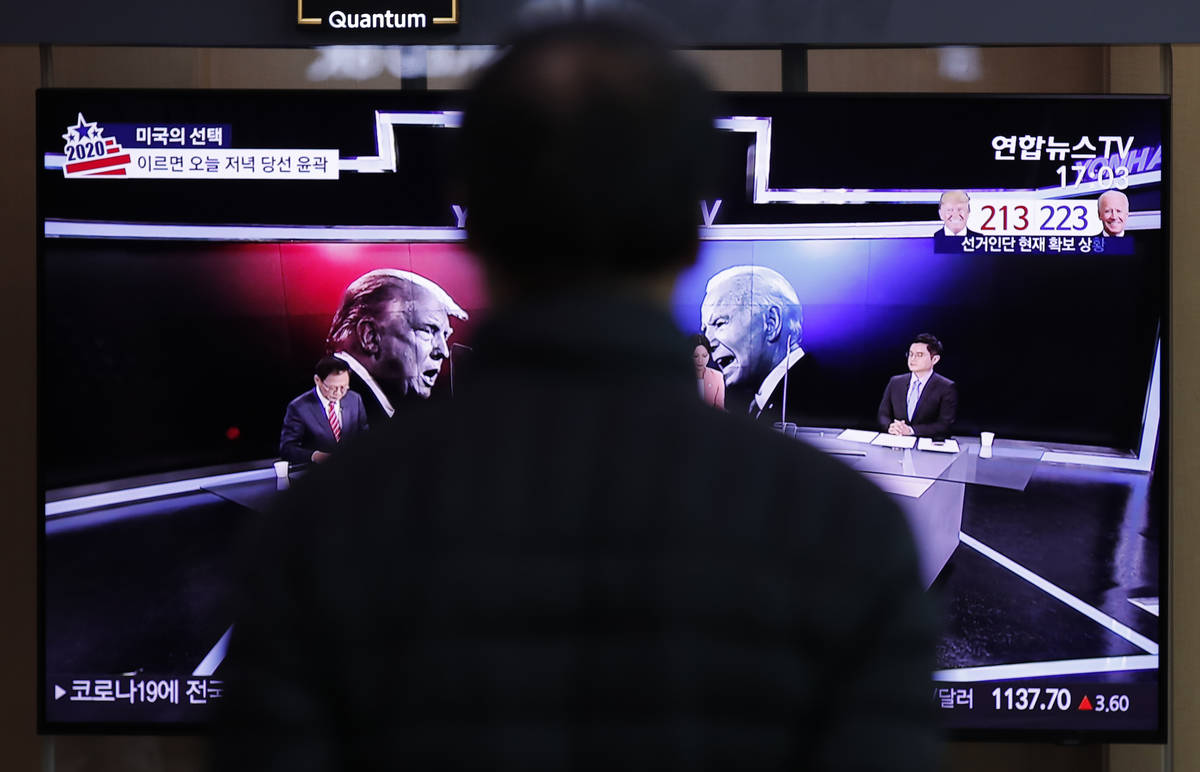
{"points": [[921, 402], [322, 417]]}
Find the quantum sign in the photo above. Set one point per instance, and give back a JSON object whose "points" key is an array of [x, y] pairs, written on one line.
{"points": [[377, 15]]}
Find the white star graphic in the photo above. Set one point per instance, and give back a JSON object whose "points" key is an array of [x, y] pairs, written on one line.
{"points": [[81, 130]]}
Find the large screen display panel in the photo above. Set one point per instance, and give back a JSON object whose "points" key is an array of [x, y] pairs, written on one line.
{"points": [[200, 251]]}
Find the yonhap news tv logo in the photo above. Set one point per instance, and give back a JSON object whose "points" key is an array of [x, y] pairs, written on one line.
{"points": [[385, 15]]}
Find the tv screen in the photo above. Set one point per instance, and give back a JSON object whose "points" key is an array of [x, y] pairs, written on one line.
{"points": [[199, 251]]}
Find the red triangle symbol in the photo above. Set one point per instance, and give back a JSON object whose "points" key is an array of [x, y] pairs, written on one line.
{"points": [[1085, 704]]}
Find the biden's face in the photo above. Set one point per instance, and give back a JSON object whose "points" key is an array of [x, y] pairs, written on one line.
{"points": [[1114, 211], [737, 335], [414, 339]]}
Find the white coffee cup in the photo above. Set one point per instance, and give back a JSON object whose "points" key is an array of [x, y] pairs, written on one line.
{"points": [[281, 469], [985, 452], [985, 438]]}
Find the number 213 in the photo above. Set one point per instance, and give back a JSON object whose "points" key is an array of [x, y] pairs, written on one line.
{"points": [[1020, 217]]}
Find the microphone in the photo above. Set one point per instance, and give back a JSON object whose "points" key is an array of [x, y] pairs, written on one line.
{"points": [[454, 346], [788, 429]]}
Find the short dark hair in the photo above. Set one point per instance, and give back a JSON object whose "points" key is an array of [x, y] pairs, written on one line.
{"points": [[700, 340], [585, 151], [327, 366], [931, 342]]}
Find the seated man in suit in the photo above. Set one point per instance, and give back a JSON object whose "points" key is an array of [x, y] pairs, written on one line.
{"points": [[920, 402], [320, 418]]}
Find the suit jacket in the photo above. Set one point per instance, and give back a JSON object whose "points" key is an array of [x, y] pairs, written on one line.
{"points": [[376, 415], [942, 232], [803, 396], [576, 566], [306, 426], [935, 412]]}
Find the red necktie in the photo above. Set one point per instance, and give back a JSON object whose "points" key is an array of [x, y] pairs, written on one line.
{"points": [[334, 423]]}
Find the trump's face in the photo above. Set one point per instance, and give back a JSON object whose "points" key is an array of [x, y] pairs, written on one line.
{"points": [[954, 210], [413, 341], [736, 333]]}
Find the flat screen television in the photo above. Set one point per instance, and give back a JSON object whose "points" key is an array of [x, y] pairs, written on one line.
{"points": [[195, 248]]}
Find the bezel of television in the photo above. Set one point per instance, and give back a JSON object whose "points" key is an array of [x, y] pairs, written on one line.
{"points": [[185, 291]]}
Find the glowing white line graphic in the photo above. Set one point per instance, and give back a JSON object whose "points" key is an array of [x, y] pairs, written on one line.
{"points": [[86, 229], [264, 233], [215, 657], [157, 490], [1149, 441], [1060, 667], [385, 137], [760, 127], [1091, 612], [1149, 605]]}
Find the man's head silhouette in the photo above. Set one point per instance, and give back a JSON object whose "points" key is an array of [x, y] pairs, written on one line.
{"points": [[585, 153]]}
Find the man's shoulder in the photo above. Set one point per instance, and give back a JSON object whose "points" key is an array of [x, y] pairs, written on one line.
{"points": [[940, 380], [901, 379], [302, 399], [832, 501], [799, 492]]}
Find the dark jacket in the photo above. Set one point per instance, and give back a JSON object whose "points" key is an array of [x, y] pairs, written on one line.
{"points": [[306, 426], [579, 565], [936, 410]]}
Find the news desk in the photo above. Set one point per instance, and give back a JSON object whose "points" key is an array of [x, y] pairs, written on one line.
{"points": [[930, 485], [119, 557]]}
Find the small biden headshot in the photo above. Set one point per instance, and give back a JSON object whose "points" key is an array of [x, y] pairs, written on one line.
{"points": [[1113, 208]]}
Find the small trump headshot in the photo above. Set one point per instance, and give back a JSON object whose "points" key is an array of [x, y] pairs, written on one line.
{"points": [[1113, 208], [953, 208], [393, 330]]}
